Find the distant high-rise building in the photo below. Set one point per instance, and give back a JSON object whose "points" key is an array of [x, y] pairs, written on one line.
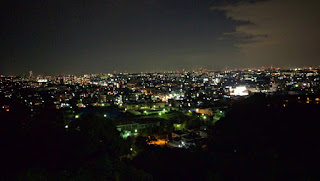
{"points": [[30, 74], [61, 81]]}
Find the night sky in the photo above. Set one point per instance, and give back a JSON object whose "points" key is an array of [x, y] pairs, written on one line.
{"points": [[73, 36]]}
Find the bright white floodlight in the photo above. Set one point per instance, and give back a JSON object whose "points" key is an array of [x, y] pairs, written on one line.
{"points": [[239, 91]]}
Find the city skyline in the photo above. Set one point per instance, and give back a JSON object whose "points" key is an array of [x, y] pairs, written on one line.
{"points": [[194, 70]]}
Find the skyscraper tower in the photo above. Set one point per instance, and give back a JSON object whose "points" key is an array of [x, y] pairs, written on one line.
{"points": [[30, 74]]}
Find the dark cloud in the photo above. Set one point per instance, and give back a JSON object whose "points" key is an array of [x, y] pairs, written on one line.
{"points": [[102, 36]]}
